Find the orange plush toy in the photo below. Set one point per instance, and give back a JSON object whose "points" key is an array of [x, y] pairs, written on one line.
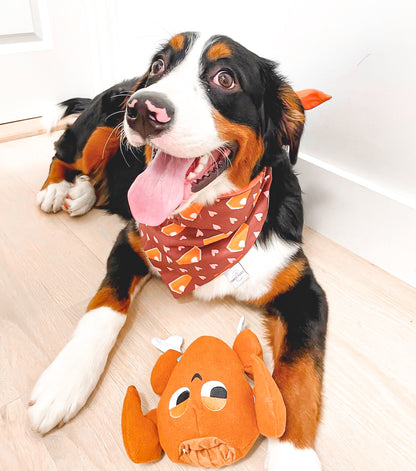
{"points": [[208, 414]]}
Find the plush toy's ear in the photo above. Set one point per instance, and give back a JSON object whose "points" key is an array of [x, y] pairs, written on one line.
{"points": [[311, 98], [291, 122], [269, 405], [163, 369]]}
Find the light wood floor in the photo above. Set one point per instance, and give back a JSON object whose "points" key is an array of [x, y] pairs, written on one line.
{"points": [[50, 266]]}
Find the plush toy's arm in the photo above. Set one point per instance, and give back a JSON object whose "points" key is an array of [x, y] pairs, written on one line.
{"points": [[311, 98], [140, 435], [269, 405]]}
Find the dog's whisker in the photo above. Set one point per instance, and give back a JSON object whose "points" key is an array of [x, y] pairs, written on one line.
{"points": [[112, 114], [108, 138], [122, 153], [129, 146], [225, 154], [215, 166], [122, 94]]}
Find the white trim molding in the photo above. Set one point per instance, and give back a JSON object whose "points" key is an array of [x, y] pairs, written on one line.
{"points": [[359, 180], [374, 222]]}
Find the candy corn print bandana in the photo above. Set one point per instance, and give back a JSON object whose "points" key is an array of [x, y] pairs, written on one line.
{"points": [[201, 242]]}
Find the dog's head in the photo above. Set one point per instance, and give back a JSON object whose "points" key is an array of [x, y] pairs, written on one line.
{"points": [[212, 114]]}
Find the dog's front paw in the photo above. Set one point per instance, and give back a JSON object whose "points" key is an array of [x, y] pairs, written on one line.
{"points": [[284, 456], [52, 197], [63, 388], [66, 384], [81, 197]]}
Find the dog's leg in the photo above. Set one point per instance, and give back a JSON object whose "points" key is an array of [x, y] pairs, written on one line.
{"points": [[66, 384], [297, 327]]}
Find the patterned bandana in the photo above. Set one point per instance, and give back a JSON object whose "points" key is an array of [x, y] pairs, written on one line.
{"points": [[201, 242]]}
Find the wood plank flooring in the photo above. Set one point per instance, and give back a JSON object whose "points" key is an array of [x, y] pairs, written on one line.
{"points": [[50, 266]]}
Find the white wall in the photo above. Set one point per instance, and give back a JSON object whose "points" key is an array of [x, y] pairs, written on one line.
{"points": [[47, 54], [358, 165]]}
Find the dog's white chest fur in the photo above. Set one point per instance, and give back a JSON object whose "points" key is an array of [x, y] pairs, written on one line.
{"points": [[252, 277]]}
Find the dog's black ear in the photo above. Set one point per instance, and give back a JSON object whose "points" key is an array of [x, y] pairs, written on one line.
{"points": [[283, 116], [292, 120]]}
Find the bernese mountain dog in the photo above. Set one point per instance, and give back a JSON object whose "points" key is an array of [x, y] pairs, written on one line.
{"points": [[197, 154]]}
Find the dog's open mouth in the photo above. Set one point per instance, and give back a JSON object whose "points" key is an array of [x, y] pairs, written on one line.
{"points": [[168, 181], [207, 168]]}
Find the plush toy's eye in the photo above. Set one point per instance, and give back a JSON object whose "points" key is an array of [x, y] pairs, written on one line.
{"points": [[214, 395], [179, 402]]}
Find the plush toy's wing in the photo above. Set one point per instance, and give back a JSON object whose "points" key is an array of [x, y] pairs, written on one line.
{"points": [[163, 369], [140, 435], [269, 405], [311, 98]]}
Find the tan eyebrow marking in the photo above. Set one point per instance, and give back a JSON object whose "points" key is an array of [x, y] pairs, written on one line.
{"points": [[177, 42], [218, 51]]}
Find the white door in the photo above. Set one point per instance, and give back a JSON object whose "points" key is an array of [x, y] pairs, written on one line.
{"points": [[50, 51]]}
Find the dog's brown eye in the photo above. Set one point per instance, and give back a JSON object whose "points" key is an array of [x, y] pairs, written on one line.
{"points": [[224, 79], [158, 67]]}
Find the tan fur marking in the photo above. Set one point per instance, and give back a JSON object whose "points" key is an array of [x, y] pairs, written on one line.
{"points": [[250, 149], [300, 385], [275, 334], [291, 102], [105, 297], [148, 154], [136, 243], [177, 42], [285, 280], [218, 51], [59, 171], [99, 149], [292, 121]]}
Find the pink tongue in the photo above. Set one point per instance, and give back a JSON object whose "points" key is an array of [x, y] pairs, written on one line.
{"points": [[159, 190]]}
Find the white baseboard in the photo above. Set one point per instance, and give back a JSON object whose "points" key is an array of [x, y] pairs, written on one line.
{"points": [[376, 224]]}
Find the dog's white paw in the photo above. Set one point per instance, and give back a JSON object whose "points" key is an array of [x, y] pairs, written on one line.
{"points": [[62, 389], [284, 456], [81, 197], [66, 384], [52, 197]]}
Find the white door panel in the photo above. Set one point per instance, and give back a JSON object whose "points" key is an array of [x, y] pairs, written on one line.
{"points": [[49, 51], [16, 18]]}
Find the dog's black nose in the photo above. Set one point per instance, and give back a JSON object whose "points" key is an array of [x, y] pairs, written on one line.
{"points": [[149, 113]]}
